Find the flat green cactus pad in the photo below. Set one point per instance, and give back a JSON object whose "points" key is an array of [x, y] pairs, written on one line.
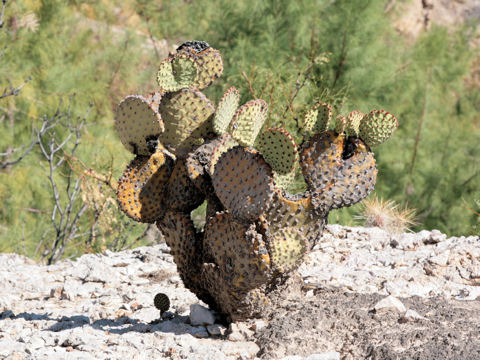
{"points": [[243, 182], [284, 181], [318, 118], [141, 189], [353, 123], [225, 110], [278, 149], [248, 121], [139, 124], [287, 248], [177, 73], [340, 124], [377, 126], [208, 61], [187, 116], [238, 250]]}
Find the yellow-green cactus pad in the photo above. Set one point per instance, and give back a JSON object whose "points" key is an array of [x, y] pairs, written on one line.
{"points": [[177, 73], [239, 252], [187, 115], [340, 124], [284, 181], [248, 121], [139, 124], [208, 61], [318, 118], [353, 123], [243, 182], [225, 110], [141, 189], [182, 195], [377, 126], [287, 248], [278, 149]]}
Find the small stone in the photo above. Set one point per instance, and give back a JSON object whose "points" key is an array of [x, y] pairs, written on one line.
{"points": [[412, 316], [216, 330], [390, 303], [441, 259], [239, 332], [324, 356], [200, 315], [258, 325], [199, 332]]}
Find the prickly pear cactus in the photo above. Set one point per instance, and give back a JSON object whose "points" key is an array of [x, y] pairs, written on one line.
{"points": [[188, 151]]}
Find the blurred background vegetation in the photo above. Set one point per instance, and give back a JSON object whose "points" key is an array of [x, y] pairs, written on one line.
{"points": [[75, 60]]}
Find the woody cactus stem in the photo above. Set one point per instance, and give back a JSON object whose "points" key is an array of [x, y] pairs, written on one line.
{"points": [[256, 234]]}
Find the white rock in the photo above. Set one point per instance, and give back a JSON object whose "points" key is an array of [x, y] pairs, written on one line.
{"points": [[412, 315], [441, 259], [324, 356], [390, 303], [200, 315], [292, 357], [239, 332]]}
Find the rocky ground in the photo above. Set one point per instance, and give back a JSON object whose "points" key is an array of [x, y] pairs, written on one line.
{"points": [[367, 295]]}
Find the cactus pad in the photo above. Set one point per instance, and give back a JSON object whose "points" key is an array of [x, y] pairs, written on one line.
{"points": [[239, 252], [248, 121], [223, 146], [278, 149], [284, 181], [176, 73], [225, 110], [182, 195], [318, 118], [208, 61], [138, 123], [141, 188], [340, 124], [186, 114], [377, 126], [353, 123], [243, 182], [287, 248]]}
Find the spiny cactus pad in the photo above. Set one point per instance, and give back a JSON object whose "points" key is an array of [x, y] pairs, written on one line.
{"points": [[187, 116], [225, 110], [278, 149], [340, 124], [177, 73], [318, 118], [141, 189], [376, 127], [256, 233], [243, 182], [248, 121], [138, 122], [353, 123], [208, 61]]}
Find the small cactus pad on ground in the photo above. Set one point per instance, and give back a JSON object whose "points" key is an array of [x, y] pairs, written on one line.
{"points": [[161, 302], [376, 127], [138, 122], [243, 254], [248, 121], [278, 149], [141, 188], [177, 73], [187, 116], [225, 110]]}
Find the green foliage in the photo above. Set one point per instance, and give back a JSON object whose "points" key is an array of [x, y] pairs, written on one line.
{"points": [[292, 54]]}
